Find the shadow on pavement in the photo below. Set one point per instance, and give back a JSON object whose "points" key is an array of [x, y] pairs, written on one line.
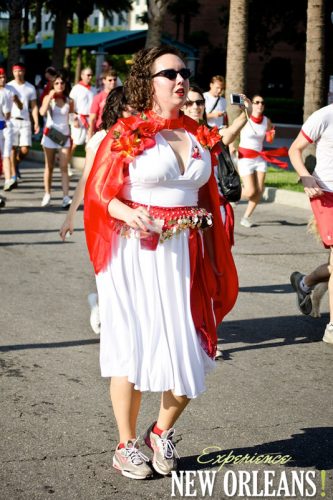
{"points": [[283, 288], [48, 345], [310, 448]]}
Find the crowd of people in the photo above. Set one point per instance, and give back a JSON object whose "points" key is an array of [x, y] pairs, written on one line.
{"points": [[158, 228]]}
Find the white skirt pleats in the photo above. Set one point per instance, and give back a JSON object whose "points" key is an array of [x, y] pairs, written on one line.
{"points": [[147, 330]]}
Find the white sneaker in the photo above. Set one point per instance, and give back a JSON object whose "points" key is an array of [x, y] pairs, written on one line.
{"points": [[70, 171], [245, 222], [219, 354], [46, 200], [328, 335], [66, 202], [95, 321]]}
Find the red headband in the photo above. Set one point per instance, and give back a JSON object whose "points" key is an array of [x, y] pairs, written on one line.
{"points": [[2, 71], [17, 66]]}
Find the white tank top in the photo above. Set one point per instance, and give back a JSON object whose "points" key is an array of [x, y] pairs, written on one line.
{"points": [[252, 135], [59, 118]]}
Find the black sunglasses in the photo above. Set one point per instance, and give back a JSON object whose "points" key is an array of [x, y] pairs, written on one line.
{"points": [[171, 74], [199, 102], [258, 102]]}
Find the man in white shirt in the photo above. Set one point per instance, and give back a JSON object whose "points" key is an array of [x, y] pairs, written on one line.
{"points": [[215, 104], [317, 129], [20, 118], [82, 94]]}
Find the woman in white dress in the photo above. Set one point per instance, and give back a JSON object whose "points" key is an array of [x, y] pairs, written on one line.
{"points": [[116, 106], [148, 198], [57, 107]]}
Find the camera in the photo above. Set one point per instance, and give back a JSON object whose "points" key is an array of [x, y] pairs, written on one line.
{"points": [[236, 99]]}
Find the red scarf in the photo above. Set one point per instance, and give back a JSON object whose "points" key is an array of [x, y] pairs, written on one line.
{"points": [[128, 138], [257, 119], [86, 85]]}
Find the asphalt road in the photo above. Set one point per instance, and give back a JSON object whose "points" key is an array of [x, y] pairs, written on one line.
{"points": [[271, 394]]}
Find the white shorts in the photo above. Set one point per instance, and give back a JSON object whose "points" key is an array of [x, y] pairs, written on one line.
{"points": [[79, 135], [247, 166], [48, 143], [6, 141], [21, 132]]}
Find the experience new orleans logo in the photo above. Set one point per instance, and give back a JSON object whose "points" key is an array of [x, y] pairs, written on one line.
{"points": [[247, 483]]}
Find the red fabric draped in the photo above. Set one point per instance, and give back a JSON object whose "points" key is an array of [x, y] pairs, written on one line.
{"points": [[208, 284], [269, 156], [257, 119]]}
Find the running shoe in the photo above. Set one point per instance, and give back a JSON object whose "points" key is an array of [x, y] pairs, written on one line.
{"points": [[328, 335], [303, 299], [131, 462], [165, 454], [46, 200]]}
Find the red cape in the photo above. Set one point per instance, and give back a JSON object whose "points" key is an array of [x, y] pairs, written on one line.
{"points": [[104, 183]]}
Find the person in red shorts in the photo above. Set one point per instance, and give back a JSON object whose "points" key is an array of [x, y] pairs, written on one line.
{"points": [[317, 129], [98, 103]]}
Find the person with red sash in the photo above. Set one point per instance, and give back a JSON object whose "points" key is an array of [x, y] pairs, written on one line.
{"points": [[82, 94], [252, 158], [164, 270], [318, 186], [57, 108]]}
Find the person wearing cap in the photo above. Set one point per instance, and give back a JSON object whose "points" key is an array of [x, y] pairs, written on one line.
{"points": [[20, 118]]}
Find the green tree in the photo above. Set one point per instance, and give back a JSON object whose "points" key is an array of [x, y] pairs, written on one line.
{"points": [[15, 8]]}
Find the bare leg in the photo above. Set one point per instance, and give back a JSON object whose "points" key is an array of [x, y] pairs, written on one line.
{"points": [[251, 192], [330, 286], [126, 405], [319, 275], [170, 410], [63, 161], [49, 165], [6, 168]]}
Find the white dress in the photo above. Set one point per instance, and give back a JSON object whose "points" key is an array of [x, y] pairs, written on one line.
{"points": [[147, 330], [59, 119]]}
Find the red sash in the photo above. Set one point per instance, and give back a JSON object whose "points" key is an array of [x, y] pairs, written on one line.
{"points": [[269, 156]]}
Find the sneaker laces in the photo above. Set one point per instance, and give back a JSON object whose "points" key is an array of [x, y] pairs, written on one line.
{"points": [[134, 454], [167, 446]]}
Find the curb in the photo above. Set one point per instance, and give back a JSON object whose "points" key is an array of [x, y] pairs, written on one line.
{"points": [[285, 197], [77, 162]]}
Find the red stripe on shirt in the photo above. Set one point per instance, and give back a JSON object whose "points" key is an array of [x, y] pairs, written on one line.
{"points": [[307, 137]]}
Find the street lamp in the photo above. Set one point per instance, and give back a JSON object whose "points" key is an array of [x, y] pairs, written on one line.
{"points": [[99, 60]]}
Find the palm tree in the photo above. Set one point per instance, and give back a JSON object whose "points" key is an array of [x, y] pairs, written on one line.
{"points": [[14, 7], [156, 13], [314, 68], [236, 52], [314, 64]]}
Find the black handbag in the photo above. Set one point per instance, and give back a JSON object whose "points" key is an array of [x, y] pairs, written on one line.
{"points": [[228, 177], [56, 136]]}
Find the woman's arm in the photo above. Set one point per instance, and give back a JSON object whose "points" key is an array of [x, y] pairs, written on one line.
{"points": [[46, 103], [68, 225], [136, 218], [229, 134]]}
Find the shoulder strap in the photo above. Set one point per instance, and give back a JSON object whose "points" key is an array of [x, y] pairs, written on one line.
{"points": [[215, 104]]}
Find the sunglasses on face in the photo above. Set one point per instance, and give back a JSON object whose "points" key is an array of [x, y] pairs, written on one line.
{"points": [[198, 102], [171, 74], [258, 102]]}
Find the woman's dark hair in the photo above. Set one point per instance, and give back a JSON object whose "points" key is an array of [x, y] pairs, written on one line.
{"points": [[115, 104], [139, 83], [195, 88], [62, 76]]}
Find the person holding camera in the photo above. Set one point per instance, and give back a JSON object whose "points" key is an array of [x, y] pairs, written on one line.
{"points": [[252, 164]]}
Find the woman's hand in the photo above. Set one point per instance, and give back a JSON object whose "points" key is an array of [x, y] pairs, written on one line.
{"points": [[247, 104], [138, 218], [311, 187], [67, 227]]}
